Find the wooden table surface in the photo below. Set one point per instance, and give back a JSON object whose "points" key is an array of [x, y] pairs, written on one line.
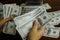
{"points": [[55, 4]]}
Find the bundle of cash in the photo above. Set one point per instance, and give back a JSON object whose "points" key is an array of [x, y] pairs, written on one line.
{"points": [[26, 9], [50, 29], [52, 32], [24, 22], [10, 10]]}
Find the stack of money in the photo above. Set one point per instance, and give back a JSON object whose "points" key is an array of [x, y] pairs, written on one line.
{"points": [[49, 19], [26, 9], [10, 10], [23, 23]]}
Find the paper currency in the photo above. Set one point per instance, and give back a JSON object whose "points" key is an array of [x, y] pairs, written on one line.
{"points": [[24, 22], [27, 25], [26, 9], [10, 10], [55, 18], [44, 17], [28, 16], [52, 32], [10, 28]]}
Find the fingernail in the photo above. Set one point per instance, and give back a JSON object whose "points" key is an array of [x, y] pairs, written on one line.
{"points": [[36, 20]]}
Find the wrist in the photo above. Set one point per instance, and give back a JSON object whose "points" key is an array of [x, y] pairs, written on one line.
{"points": [[8, 19]]}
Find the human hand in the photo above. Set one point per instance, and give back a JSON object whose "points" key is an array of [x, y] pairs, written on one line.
{"points": [[36, 34], [3, 21], [9, 18]]}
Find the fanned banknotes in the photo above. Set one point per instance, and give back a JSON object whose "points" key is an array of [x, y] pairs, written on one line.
{"points": [[10, 10], [24, 22]]}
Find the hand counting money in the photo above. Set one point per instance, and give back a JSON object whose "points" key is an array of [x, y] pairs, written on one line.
{"points": [[10, 10], [23, 23], [26, 25]]}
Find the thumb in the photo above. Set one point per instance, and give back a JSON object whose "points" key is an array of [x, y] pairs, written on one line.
{"points": [[42, 30], [35, 25]]}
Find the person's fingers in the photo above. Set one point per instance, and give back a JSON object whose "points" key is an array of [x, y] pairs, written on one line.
{"points": [[42, 30], [35, 25], [10, 18]]}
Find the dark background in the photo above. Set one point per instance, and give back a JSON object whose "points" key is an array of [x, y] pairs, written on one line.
{"points": [[55, 4]]}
